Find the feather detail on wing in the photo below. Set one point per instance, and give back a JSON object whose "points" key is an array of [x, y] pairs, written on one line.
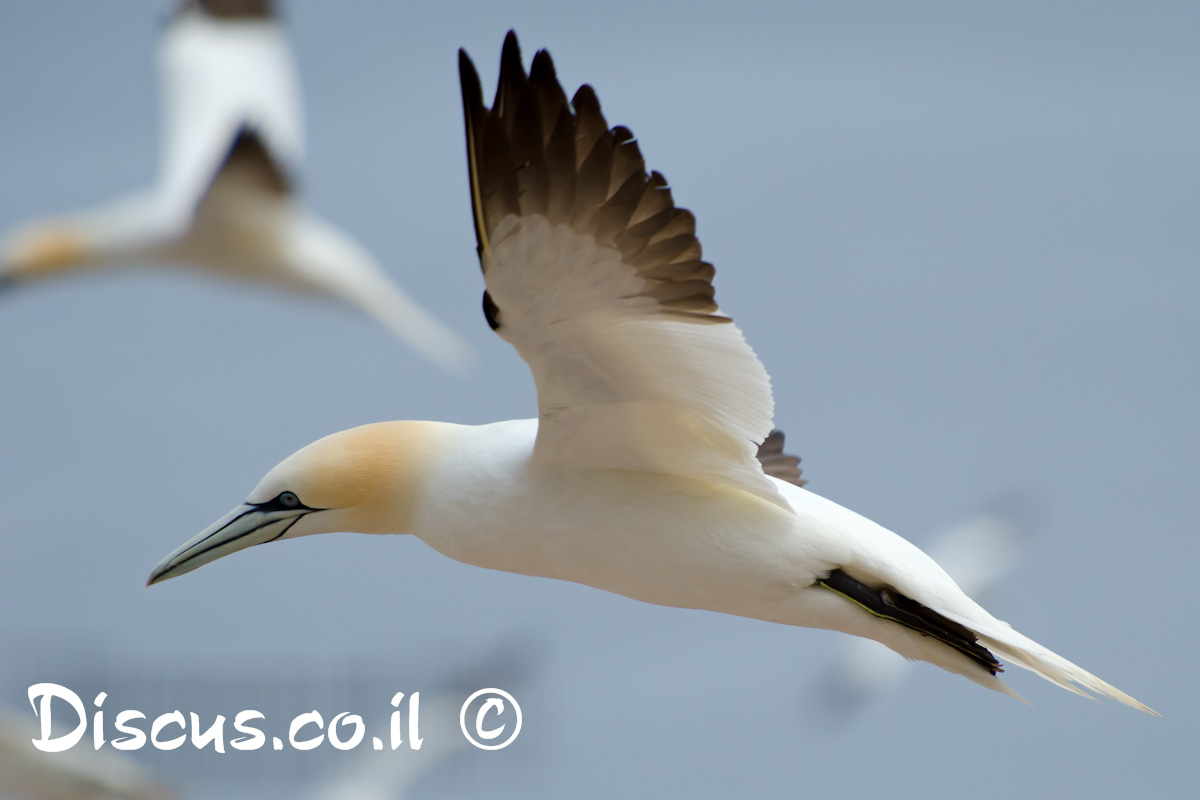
{"points": [[777, 463], [597, 279]]}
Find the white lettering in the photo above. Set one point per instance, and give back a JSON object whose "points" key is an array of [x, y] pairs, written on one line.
{"points": [[163, 721], [360, 730], [311, 718], [48, 691], [215, 733], [257, 738], [136, 737]]}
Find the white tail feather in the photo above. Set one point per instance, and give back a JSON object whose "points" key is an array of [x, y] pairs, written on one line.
{"points": [[1012, 647]]}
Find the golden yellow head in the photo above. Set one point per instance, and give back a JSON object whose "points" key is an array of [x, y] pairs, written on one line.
{"points": [[363, 480], [371, 473], [45, 249]]}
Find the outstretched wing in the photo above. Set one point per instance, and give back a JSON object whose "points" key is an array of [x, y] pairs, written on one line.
{"points": [[596, 277]]}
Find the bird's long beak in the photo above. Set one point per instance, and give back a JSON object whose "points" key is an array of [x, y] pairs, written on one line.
{"points": [[245, 526]]}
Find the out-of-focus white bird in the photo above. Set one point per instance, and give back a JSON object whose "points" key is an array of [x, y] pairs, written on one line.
{"points": [[81, 773], [640, 475], [977, 552], [232, 144], [385, 775]]}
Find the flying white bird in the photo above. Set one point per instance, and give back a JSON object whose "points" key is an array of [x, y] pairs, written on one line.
{"points": [[223, 201], [639, 475]]}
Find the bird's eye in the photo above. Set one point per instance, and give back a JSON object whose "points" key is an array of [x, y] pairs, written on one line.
{"points": [[289, 500]]}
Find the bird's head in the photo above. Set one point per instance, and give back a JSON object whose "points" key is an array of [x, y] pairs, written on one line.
{"points": [[43, 249], [363, 480]]}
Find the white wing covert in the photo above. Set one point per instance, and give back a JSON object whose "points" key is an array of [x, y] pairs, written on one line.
{"points": [[596, 278]]}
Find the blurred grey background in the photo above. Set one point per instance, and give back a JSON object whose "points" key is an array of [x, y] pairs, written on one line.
{"points": [[962, 237]]}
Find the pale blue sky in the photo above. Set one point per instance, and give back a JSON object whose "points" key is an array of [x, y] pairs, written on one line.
{"points": [[962, 237]]}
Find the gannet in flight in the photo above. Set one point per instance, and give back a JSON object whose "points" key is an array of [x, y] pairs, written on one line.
{"points": [[639, 475], [223, 200]]}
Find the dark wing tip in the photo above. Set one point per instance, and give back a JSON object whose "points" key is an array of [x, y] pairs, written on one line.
{"points": [[472, 88], [623, 135], [585, 98], [510, 55], [234, 9], [473, 111], [542, 68], [535, 153], [512, 74]]}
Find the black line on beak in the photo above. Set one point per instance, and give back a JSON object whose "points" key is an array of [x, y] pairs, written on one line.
{"points": [[287, 528]]}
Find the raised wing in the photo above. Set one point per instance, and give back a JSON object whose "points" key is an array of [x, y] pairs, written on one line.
{"points": [[597, 279], [226, 71]]}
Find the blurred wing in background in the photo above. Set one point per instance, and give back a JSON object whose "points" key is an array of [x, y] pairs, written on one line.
{"points": [[371, 775], [80, 773], [233, 141]]}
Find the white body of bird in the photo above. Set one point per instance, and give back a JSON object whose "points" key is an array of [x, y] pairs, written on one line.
{"points": [[678, 541], [640, 475]]}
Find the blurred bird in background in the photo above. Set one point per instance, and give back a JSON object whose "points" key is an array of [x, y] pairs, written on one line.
{"points": [[224, 200], [81, 773], [514, 663]]}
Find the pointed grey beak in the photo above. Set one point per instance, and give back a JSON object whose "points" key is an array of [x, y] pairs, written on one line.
{"points": [[245, 526]]}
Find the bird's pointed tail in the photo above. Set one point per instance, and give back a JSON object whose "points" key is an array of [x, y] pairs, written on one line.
{"points": [[1022, 651]]}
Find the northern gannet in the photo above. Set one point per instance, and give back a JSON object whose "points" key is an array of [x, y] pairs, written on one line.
{"points": [[639, 475], [232, 144]]}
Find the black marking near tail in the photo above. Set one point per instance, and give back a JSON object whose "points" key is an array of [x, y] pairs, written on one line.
{"points": [[890, 604]]}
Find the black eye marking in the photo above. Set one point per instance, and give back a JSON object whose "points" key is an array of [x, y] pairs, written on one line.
{"points": [[283, 501]]}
